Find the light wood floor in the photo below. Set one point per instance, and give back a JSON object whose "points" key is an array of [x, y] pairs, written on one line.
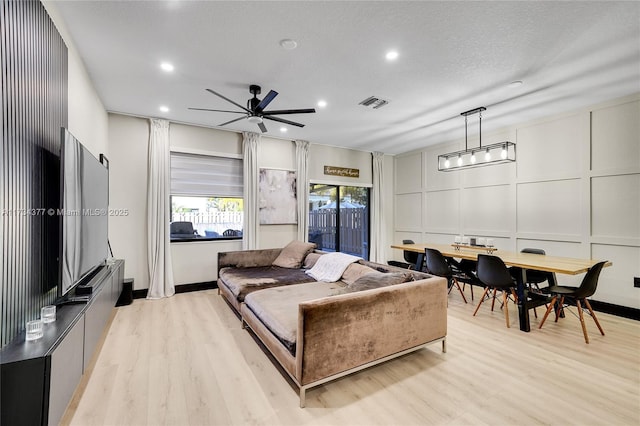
{"points": [[186, 361]]}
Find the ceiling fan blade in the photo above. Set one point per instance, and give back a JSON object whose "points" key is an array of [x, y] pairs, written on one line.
{"points": [[266, 101], [282, 120], [227, 99], [262, 127], [289, 111], [217, 110], [232, 121]]}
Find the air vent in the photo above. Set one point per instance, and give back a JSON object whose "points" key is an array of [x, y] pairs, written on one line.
{"points": [[374, 102]]}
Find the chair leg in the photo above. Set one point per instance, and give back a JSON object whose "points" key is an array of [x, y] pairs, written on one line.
{"points": [[593, 315], [515, 296], [546, 314], [460, 290], [584, 327], [464, 287], [493, 301], [481, 300], [560, 310], [505, 299]]}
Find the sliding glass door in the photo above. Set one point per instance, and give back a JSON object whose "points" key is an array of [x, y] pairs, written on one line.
{"points": [[339, 218]]}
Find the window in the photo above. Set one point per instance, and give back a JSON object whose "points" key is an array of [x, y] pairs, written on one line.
{"points": [[206, 197], [339, 218]]}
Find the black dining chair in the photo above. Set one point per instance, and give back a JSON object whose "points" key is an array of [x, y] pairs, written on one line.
{"points": [[438, 265], [469, 270], [534, 278], [577, 295], [493, 273], [411, 257]]}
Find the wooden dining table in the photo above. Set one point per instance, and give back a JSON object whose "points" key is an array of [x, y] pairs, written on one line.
{"points": [[525, 261]]}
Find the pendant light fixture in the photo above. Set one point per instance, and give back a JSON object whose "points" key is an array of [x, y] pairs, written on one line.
{"points": [[497, 153]]}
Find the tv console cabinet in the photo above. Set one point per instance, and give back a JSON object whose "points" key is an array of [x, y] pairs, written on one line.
{"points": [[38, 378]]}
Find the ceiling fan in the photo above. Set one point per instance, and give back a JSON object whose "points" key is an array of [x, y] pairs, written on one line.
{"points": [[254, 111]]}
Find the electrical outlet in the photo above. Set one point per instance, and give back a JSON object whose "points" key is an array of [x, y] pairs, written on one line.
{"points": [[636, 281]]}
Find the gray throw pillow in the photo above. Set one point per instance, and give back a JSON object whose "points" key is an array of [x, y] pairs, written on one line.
{"points": [[355, 271]]}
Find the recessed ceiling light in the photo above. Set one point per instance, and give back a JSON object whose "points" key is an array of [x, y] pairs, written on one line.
{"points": [[283, 129], [164, 108], [516, 83], [166, 66], [322, 103], [288, 44], [392, 55]]}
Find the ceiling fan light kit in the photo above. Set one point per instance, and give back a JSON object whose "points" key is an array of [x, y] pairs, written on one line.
{"points": [[497, 153], [255, 112]]}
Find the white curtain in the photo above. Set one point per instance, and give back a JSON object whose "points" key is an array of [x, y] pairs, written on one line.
{"points": [[378, 250], [302, 188], [250, 150], [158, 212]]}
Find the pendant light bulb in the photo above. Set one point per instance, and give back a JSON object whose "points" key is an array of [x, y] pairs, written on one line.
{"points": [[504, 153], [487, 156], [447, 163], [459, 160], [473, 157]]}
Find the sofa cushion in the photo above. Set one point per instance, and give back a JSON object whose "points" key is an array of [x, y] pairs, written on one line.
{"points": [[311, 260], [277, 308], [355, 271], [242, 281], [378, 279], [293, 254]]}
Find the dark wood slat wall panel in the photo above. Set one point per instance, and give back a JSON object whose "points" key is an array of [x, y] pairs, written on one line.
{"points": [[34, 108]]}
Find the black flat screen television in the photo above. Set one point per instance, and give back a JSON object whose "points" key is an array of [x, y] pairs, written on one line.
{"points": [[85, 204]]}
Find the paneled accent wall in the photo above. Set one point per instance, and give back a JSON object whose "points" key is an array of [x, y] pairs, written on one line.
{"points": [[34, 108], [574, 191]]}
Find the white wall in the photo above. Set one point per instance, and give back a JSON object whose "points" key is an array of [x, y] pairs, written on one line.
{"points": [[128, 142], [128, 150], [574, 191], [325, 155], [195, 262], [88, 120]]}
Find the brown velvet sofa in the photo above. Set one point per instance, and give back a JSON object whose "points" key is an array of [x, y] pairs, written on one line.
{"points": [[320, 331]]}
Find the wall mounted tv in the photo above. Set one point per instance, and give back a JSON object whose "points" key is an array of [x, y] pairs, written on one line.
{"points": [[85, 203]]}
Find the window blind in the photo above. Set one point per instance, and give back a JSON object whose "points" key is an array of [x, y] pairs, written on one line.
{"points": [[205, 175]]}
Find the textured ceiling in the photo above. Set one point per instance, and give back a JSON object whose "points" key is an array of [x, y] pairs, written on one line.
{"points": [[453, 56]]}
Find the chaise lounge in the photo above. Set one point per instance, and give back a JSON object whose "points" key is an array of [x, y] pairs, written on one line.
{"points": [[319, 331]]}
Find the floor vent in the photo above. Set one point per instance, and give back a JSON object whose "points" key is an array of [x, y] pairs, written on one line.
{"points": [[374, 102]]}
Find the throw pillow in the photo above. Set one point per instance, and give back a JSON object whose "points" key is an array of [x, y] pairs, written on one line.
{"points": [[293, 254], [355, 271], [311, 260], [377, 280]]}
